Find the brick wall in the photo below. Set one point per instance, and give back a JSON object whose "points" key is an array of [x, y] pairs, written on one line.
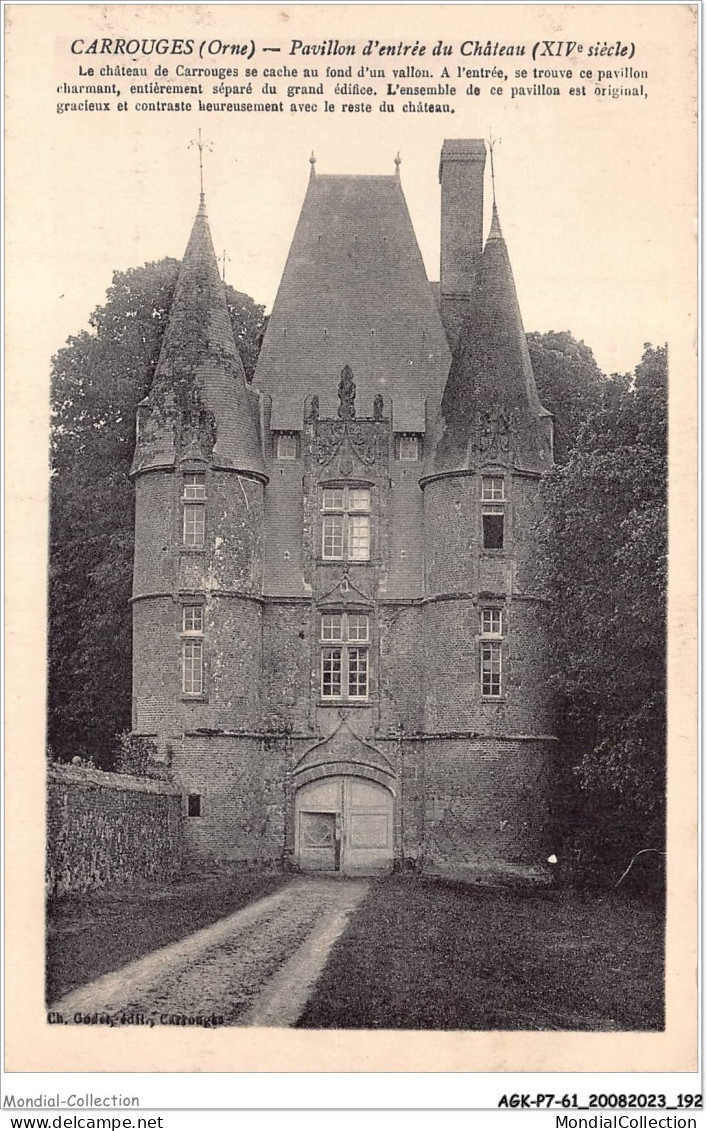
{"points": [[487, 800], [107, 830], [241, 783]]}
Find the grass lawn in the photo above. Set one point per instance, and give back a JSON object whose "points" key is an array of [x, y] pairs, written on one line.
{"points": [[426, 954], [93, 934]]}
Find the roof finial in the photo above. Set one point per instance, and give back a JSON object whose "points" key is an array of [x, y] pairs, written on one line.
{"points": [[398, 162], [312, 162], [224, 258], [492, 142], [495, 232], [201, 146]]}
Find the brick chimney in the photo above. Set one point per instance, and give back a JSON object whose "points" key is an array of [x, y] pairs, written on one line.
{"points": [[461, 169]]}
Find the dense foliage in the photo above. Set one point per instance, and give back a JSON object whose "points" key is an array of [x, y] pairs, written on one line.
{"points": [[98, 378], [604, 552]]}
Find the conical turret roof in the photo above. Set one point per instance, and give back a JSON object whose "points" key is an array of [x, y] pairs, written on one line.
{"points": [[199, 367], [490, 385]]}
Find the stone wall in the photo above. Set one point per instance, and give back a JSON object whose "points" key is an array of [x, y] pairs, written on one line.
{"points": [[106, 830]]}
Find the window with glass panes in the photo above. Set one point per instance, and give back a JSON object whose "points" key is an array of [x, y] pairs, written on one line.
{"points": [[408, 448], [194, 485], [192, 650], [287, 445], [491, 659], [194, 526], [345, 639], [345, 524], [493, 511]]}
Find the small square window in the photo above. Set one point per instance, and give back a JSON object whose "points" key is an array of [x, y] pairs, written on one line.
{"points": [[492, 488], [491, 622], [493, 528], [332, 499], [358, 628], [408, 448], [193, 618], [194, 526], [194, 485], [332, 627], [194, 805], [358, 499], [287, 446]]}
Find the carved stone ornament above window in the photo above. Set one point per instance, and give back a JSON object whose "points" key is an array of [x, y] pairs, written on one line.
{"points": [[346, 394]]}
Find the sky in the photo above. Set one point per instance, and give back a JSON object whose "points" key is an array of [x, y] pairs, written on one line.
{"points": [[592, 192]]}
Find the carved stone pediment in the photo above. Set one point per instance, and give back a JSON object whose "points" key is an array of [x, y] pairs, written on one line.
{"points": [[344, 593], [345, 748]]}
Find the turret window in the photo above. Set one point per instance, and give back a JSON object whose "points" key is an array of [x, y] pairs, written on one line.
{"points": [[192, 667], [345, 526], [194, 529], [492, 488], [194, 486], [492, 493], [491, 653], [344, 668], [192, 675]]}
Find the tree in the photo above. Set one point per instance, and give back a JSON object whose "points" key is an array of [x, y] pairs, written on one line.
{"points": [[97, 380], [604, 554], [569, 384]]}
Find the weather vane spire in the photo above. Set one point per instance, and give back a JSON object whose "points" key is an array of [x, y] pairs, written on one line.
{"points": [[201, 144], [492, 142]]}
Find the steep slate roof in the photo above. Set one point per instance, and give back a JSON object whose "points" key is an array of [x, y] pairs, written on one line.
{"points": [[491, 367], [354, 291], [199, 355]]}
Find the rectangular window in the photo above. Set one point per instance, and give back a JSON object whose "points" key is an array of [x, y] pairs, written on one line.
{"points": [[491, 622], [287, 445], [195, 486], [492, 489], [357, 673], [491, 669], [194, 525], [345, 525], [192, 667], [331, 673], [194, 805], [192, 618], [408, 448], [332, 537], [493, 528], [359, 538], [344, 670]]}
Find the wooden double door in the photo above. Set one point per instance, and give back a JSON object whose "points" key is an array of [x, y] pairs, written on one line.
{"points": [[344, 824]]}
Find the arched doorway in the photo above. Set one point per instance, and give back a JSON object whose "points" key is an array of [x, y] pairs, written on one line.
{"points": [[344, 824]]}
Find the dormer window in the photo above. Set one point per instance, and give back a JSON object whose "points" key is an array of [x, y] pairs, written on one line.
{"points": [[287, 445], [408, 447]]}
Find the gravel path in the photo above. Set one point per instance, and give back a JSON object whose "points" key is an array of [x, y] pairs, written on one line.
{"points": [[256, 967]]}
